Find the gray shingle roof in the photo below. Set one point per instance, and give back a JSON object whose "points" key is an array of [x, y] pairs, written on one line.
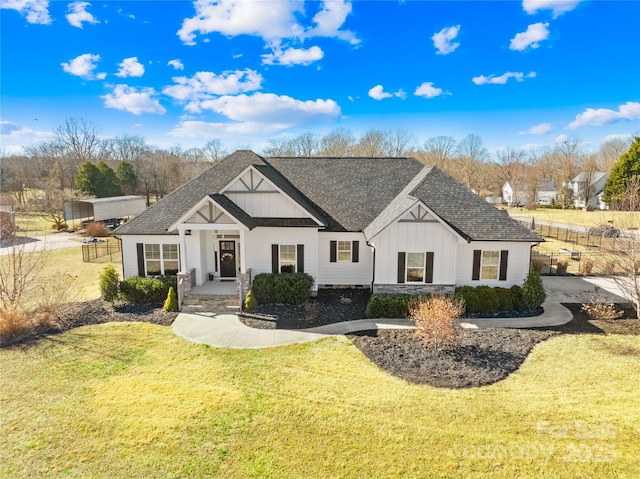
{"points": [[346, 194]]}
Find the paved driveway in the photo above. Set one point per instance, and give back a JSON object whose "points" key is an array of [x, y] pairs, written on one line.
{"points": [[574, 289], [38, 243]]}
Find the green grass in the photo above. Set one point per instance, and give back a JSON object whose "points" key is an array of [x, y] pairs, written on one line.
{"points": [[133, 400]]}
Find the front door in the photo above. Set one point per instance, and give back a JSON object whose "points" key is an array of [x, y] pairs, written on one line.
{"points": [[227, 259]]}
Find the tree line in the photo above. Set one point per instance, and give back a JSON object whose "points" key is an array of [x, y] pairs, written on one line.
{"points": [[78, 162]]}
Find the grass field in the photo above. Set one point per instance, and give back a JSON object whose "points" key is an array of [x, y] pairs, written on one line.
{"points": [[579, 217], [133, 400]]}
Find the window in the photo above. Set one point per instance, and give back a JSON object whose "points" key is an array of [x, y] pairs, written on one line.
{"points": [[490, 265], [287, 258], [161, 259], [344, 251], [415, 267]]}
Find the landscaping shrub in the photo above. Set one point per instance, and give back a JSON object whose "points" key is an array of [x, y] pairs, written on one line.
{"points": [[250, 304], [16, 325], [284, 288], [562, 266], [389, 305], [601, 309], [96, 230], [586, 266], [435, 319], [488, 300], [109, 282], [139, 290], [60, 226], [171, 303], [533, 293]]}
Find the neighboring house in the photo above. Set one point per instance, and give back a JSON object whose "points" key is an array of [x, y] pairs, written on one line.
{"points": [[587, 190], [516, 193], [390, 223]]}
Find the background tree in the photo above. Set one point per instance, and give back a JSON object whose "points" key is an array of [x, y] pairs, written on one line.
{"points": [[618, 190], [611, 151], [127, 177], [109, 183], [338, 143], [438, 150], [88, 179]]}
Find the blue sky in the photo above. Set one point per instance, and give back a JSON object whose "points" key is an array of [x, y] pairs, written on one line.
{"points": [[518, 73]]}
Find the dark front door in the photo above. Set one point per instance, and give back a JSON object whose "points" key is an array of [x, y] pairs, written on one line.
{"points": [[227, 259]]}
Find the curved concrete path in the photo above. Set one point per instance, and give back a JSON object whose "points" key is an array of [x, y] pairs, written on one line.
{"points": [[227, 331]]}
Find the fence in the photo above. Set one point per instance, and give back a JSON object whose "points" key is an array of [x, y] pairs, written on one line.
{"points": [[91, 252], [586, 263], [582, 238]]}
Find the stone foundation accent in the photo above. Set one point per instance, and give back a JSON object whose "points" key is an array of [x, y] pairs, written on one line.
{"points": [[417, 289], [185, 280], [244, 283]]}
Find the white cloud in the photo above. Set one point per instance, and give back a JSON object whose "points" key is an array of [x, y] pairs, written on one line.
{"points": [[83, 66], [269, 20], [15, 137], [535, 33], [78, 14], [562, 138], [277, 111], [427, 90], [443, 40], [204, 84], [133, 100], [557, 6], [36, 11], [378, 93], [330, 19], [602, 116], [540, 129], [502, 79], [176, 64], [130, 67], [293, 56]]}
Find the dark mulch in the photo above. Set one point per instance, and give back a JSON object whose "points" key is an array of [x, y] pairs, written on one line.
{"points": [[329, 306], [582, 323], [482, 356]]}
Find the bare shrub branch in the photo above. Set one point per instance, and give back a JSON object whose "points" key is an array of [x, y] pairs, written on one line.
{"points": [[435, 319]]}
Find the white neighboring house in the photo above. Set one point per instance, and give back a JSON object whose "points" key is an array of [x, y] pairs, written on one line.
{"points": [[388, 223], [516, 193], [587, 190], [7, 215]]}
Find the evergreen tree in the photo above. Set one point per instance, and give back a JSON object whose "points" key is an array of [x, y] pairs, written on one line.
{"points": [[616, 192], [109, 182], [127, 175], [88, 178]]}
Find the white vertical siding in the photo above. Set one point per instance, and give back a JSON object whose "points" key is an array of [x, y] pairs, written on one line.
{"points": [[416, 238], [343, 273], [130, 254], [267, 205], [517, 266], [259, 241]]}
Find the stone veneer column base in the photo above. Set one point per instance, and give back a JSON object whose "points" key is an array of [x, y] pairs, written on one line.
{"points": [[416, 289]]}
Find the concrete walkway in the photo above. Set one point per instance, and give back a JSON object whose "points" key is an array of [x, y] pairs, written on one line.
{"points": [[227, 331]]}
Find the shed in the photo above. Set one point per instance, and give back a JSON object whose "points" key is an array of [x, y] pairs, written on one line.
{"points": [[104, 209]]}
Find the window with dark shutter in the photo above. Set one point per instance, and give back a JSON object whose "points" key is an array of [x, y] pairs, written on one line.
{"points": [[333, 251], [300, 258], [477, 257], [140, 252], [355, 251], [504, 259], [428, 274], [401, 266], [275, 260]]}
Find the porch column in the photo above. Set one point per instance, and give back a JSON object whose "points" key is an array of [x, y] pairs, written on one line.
{"points": [[183, 250], [243, 255]]}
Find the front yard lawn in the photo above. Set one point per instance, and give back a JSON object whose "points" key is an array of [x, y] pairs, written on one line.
{"points": [[133, 400]]}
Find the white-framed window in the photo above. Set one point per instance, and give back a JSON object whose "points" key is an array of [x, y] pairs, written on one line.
{"points": [[415, 267], [287, 258], [161, 259], [344, 251], [490, 265]]}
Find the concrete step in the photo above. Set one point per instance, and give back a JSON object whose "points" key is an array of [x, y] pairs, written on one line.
{"points": [[195, 303]]}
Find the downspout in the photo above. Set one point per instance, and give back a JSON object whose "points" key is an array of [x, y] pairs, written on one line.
{"points": [[373, 272]]}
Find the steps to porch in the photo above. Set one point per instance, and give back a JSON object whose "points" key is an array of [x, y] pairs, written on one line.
{"points": [[211, 303]]}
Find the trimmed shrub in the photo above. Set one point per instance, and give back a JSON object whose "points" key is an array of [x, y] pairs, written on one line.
{"points": [[250, 304], [435, 319], [284, 288], [488, 300], [109, 282], [171, 303], [139, 290], [533, 293], [389, 305]]}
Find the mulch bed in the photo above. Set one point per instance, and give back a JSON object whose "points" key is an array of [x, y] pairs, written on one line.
{"points": [[482, 356]]}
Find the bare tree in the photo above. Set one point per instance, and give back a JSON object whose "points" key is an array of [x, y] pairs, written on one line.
{"points": [[470, 152], [438, 150], [401, 142], [374, 143], [338, 143], [19, 269], [279, 147], [611, 151], [305, 145], [586, 187], [214, 151]]}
